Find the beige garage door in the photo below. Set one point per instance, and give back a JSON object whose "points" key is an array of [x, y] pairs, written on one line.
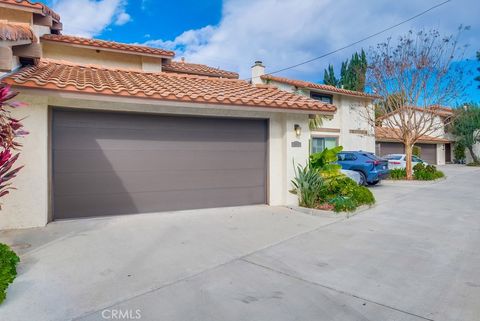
{"points": [[120, 163]]}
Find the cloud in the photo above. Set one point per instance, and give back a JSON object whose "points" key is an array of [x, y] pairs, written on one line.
{"points": [[122, 18], [88, 18], [283, 33]]}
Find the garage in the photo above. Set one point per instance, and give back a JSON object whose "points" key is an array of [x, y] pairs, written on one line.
{"points": [[106, 163], [428, 152]]}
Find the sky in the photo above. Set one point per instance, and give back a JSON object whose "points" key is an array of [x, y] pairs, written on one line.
{"points": [[232, 34]]}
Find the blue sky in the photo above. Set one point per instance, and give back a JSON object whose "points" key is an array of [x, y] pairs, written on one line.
{"points": [[232, 34]]}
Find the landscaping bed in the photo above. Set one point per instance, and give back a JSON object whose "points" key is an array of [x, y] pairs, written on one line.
{"points": [[320, 185], [420, 173]]}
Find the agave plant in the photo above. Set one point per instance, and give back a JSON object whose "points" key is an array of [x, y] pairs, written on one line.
{"points": [[10, 130], [307, 185]]}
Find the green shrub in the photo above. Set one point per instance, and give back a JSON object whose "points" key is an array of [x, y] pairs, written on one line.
{"points": [[307, 185], [363, 196], [473, 164], [459, 151], [8, 269], [344, 194], [417, 151], [398, 173], [426, 173], [343, 204]]}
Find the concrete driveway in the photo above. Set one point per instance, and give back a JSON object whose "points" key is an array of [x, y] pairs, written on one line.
{"points": [[415, 256]]}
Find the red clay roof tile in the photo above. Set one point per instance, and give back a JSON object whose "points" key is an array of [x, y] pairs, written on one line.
{"points": [[312, 85], [37, 6], [198, 69], [111, 45], [15, 32], [54, 75], [387, 134]]}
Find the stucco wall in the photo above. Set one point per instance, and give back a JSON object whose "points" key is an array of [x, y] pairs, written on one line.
{"points": [[91, 56], [13, 15], [352, 114], [29, 205], [440, 154]]}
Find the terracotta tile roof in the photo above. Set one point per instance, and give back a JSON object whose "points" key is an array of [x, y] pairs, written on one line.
{"points": [[312, 85], [54, 75], [34, 6], [15, 32], [441, 111], [110, 45], [387, 134], [197, 69]]}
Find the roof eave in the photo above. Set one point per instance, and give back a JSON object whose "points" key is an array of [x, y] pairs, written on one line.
{"points": [[158, 102]]}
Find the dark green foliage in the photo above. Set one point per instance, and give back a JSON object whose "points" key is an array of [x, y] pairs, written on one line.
{"points": [[352, 73], [343, 204], [345, 195], [417, 151], [426, 173], [307, 185], [398, 173], [329, 77], [466, 126], [321, 182], [459, 151], [8, 269]]}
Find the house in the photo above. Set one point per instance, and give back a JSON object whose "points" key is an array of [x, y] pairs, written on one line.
{"points": [[351, 125], [435, 148], [123, 129]]}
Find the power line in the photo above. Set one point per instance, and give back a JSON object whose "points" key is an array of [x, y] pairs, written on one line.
{"points": [[358, 41]]}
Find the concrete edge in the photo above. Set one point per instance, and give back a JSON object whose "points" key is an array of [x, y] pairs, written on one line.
{"points": [[412, 182], [328, 214]]}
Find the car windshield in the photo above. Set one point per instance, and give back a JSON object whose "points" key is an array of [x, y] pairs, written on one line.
{"points": [[372, 156], [393, 157]]}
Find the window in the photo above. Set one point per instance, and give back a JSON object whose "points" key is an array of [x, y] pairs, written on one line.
{"points": [[346, 157], [320, 143], [416, 159], [322, 97]]}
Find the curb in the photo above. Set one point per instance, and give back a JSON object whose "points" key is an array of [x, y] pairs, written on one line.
{"points": [[328, 214]]}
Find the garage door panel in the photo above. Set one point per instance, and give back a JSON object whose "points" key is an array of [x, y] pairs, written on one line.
{"points": [[118, 204], [94, 161], [155, 181], [151, 139], [116, 163]]}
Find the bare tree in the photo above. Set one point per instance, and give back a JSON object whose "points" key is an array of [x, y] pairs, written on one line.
{"points": [[414, 77]]}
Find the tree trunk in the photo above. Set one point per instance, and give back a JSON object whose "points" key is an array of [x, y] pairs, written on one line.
{"points": [[474, 157], [408, 160]]}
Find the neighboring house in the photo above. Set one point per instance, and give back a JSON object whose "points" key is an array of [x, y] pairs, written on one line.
{"points": [[435, 148], [350, 127], [122, 129]]}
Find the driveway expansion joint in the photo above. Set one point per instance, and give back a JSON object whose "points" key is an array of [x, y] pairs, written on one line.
{"points": [[334, 289]]}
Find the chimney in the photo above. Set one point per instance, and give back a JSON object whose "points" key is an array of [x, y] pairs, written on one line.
{"points": [[258, 69]]}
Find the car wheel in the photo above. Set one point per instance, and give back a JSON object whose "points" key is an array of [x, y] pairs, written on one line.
{"points": [[374, 183], [363, 179]]}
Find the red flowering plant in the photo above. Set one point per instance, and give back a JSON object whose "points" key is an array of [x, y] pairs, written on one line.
{"points": [[10, 130]]}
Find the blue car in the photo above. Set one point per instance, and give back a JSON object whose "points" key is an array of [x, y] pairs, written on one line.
{"points": [[372, 169]]}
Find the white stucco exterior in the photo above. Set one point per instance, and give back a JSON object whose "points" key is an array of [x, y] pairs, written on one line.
{"points": [[29, 205], [350, 125]]}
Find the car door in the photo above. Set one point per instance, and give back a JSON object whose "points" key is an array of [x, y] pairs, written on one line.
{"points": [[346, 160]]}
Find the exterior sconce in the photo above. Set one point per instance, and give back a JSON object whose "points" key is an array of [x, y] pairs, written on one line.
{"points": [[298, 130]]}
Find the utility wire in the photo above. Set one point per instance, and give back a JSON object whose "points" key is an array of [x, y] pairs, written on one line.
{"points": [[356, 42]]}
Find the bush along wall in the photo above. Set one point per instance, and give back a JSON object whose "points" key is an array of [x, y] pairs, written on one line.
{"points": [[8, 269], [321, 185], [426, 173]]}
